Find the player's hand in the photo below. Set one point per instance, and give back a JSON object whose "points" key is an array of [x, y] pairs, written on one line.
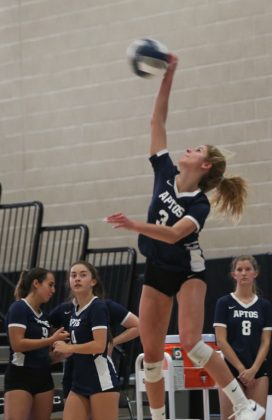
{"points": [[247, 376], [62, 347], [60, 334], [58, 357], [119, 220], [172, 63]]}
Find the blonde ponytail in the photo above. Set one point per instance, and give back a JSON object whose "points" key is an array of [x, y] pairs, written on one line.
{"points": [[229, 197], [230, 193]]}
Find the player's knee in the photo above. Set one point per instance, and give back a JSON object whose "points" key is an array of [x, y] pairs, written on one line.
{"points": [[153, 371], [200, 354]]}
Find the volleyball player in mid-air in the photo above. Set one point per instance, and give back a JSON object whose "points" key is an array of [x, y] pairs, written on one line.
{"points": [[175, 265], [243, 324]]}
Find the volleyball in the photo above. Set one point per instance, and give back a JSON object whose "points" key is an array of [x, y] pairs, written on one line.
{"points": [[147, 57]]}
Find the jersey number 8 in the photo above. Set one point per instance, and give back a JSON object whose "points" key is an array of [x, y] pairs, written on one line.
{"points": [[246, 327]]}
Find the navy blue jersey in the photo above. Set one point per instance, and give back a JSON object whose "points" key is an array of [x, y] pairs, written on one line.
{"points": [[245, 324], [91, 372], [118, 314], [21, 314], [61, 314], [167, 207], [60, 317]]}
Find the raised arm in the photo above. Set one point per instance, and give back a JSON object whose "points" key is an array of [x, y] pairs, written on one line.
{"points": [[160, 110]]}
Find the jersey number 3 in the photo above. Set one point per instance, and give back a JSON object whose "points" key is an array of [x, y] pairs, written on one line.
{"points": [[164, 216]]}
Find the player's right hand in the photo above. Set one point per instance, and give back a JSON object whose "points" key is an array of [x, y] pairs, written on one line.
{"points": [[60, 335]]}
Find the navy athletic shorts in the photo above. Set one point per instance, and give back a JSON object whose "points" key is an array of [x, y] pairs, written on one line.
{"points": [[32, 380], [168, 282]]}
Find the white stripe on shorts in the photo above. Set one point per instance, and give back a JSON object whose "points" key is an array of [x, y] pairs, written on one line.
{"points": [[103, 372]]}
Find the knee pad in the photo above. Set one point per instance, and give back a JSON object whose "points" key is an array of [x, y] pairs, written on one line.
{"points": [[153, 371], [200, 354]]}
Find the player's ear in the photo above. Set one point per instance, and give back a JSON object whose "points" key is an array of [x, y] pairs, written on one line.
{"points": [[93, 282], [206, 165], [35, 283], [233, 276]]}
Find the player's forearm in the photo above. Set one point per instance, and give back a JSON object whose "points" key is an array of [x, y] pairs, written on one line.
{"points": [[159, 232], [168, 234], [160, 110], [126, 336], [261, 356], [91, 347], [231, 356], [28, 344]]}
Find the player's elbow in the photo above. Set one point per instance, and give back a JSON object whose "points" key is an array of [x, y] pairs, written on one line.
{"points": [[17, 347], [99, 348], [173, 238]]}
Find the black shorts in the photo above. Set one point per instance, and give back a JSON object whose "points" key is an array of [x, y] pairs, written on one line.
{"points": [[32, 380], [263, 371], [67, 377], [66, 388], [168, 282]]}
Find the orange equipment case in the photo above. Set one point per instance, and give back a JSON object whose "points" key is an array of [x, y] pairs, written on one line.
{"points": [[194, 377]]}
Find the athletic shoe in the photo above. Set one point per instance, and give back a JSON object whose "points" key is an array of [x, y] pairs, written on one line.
{"points": [[250, 411]]}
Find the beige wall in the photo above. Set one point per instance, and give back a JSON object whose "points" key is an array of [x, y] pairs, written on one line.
{"points": [[74, 120]]}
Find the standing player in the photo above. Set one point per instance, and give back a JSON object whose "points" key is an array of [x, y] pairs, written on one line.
{"points": [[243, 324], [118, 316], [28, 381], [175, 263], [94, 383]]}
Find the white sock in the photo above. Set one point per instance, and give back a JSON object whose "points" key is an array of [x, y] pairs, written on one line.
{"points": [[158, 413], [235, 393]]}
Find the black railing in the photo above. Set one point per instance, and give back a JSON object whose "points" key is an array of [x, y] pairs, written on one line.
{"points": [[58, 248], [116, 267], [20, 224]]}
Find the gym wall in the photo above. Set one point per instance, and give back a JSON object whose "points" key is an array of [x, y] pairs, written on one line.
{"points": [[74, 120]]}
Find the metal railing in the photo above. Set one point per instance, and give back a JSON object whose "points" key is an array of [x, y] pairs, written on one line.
{"points": [[20, 225]]}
